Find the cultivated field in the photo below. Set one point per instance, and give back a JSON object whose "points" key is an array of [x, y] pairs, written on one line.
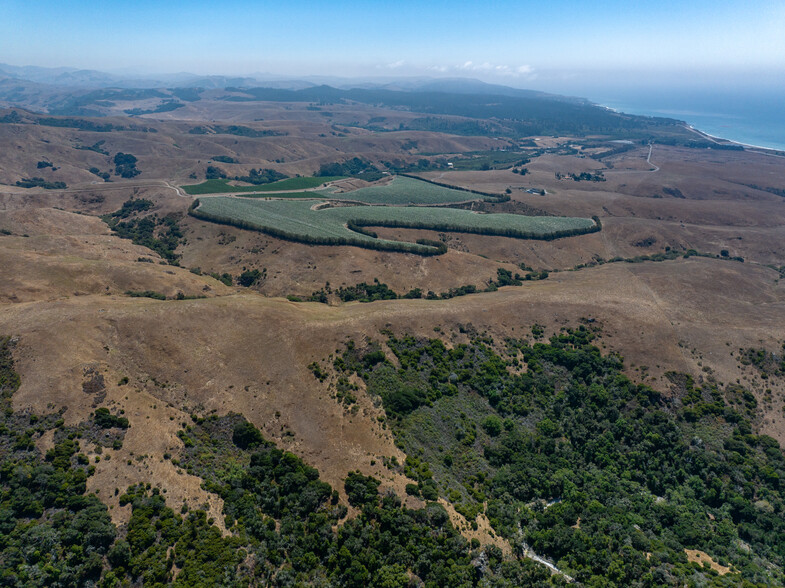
{"points": [[223, 186], [298, 220], [402, 190]]}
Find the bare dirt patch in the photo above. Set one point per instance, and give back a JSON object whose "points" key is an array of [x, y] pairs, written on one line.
{"points": [[701, 557]]}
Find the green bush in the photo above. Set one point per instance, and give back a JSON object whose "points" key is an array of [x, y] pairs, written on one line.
{"points": [[245, 435], [361, 490], [492, 425], [125, 165], [249, 277], [106, 420]]}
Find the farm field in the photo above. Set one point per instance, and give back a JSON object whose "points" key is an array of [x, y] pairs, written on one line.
{"points": [[299, 221], [223, 186], [402, 190]]}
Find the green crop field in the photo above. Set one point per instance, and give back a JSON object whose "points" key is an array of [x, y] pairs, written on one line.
{"points": [[296, 220], [223, 186], [303, 183], [313, 195], [209, 187], [403, 190], [400, 191]]}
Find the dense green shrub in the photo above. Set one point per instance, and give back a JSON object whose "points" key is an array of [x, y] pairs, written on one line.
{"points": [[106, 420], [249, 277], [145, 294], [132, 206], [353, 167], [245, 435], [125, 165], [162, 235], [261, 176], [585, 466], [361, 490], [214, 173], [224, 159], [607, 478], [40, 183]]}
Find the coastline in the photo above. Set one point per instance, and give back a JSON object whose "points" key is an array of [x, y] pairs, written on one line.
{"points": [[747, 146], [771, 151], [750, 117]]}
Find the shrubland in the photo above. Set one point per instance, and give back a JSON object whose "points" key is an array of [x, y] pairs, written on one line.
{"points": [[609, 479]]}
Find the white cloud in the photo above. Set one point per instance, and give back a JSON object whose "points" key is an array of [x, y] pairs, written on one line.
{"points": [[485, 69], [392, 65], [499, 69]]}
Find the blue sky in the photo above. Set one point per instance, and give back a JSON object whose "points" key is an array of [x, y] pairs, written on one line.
{"points": [[548, 45]]}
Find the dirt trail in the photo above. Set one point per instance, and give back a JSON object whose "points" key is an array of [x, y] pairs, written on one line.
{"points": [[648, 160]]}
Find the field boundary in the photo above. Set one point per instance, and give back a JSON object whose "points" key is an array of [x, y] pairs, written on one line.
{"points": [[487, 196], [489, 231], [303, 183], [421, 247]]}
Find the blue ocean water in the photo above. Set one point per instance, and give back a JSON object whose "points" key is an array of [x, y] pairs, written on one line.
{"points": [[741, 115]]}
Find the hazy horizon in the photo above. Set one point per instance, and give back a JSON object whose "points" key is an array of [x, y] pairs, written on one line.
{"points": [[565, 46]]}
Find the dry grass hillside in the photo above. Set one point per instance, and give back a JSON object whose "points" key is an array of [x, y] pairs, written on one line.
{"points": [[247, 349], [238, 351], [167, 150]]}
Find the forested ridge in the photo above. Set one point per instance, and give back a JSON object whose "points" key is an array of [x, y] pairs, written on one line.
{"points": [[287, 527], [494, 114], [608, 479]]}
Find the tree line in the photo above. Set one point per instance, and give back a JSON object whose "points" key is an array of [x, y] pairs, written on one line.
{"points": [[487, 196]]}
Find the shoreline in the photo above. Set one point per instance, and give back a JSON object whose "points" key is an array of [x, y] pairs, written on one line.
{"points": [[779, 152], [772, 151]]}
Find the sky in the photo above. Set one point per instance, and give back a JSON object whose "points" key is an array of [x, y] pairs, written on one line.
{"points": [[550, 45]]}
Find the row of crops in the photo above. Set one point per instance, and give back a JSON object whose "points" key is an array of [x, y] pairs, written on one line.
{"points": [[299, 220], [401, 190], [222, 186]]}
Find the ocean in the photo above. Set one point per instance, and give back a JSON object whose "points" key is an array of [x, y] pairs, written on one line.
{"points": [[741, 115]]}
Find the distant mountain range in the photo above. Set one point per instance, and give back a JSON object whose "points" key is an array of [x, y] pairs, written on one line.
{"points": [[88, 78], [451, 105]]}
